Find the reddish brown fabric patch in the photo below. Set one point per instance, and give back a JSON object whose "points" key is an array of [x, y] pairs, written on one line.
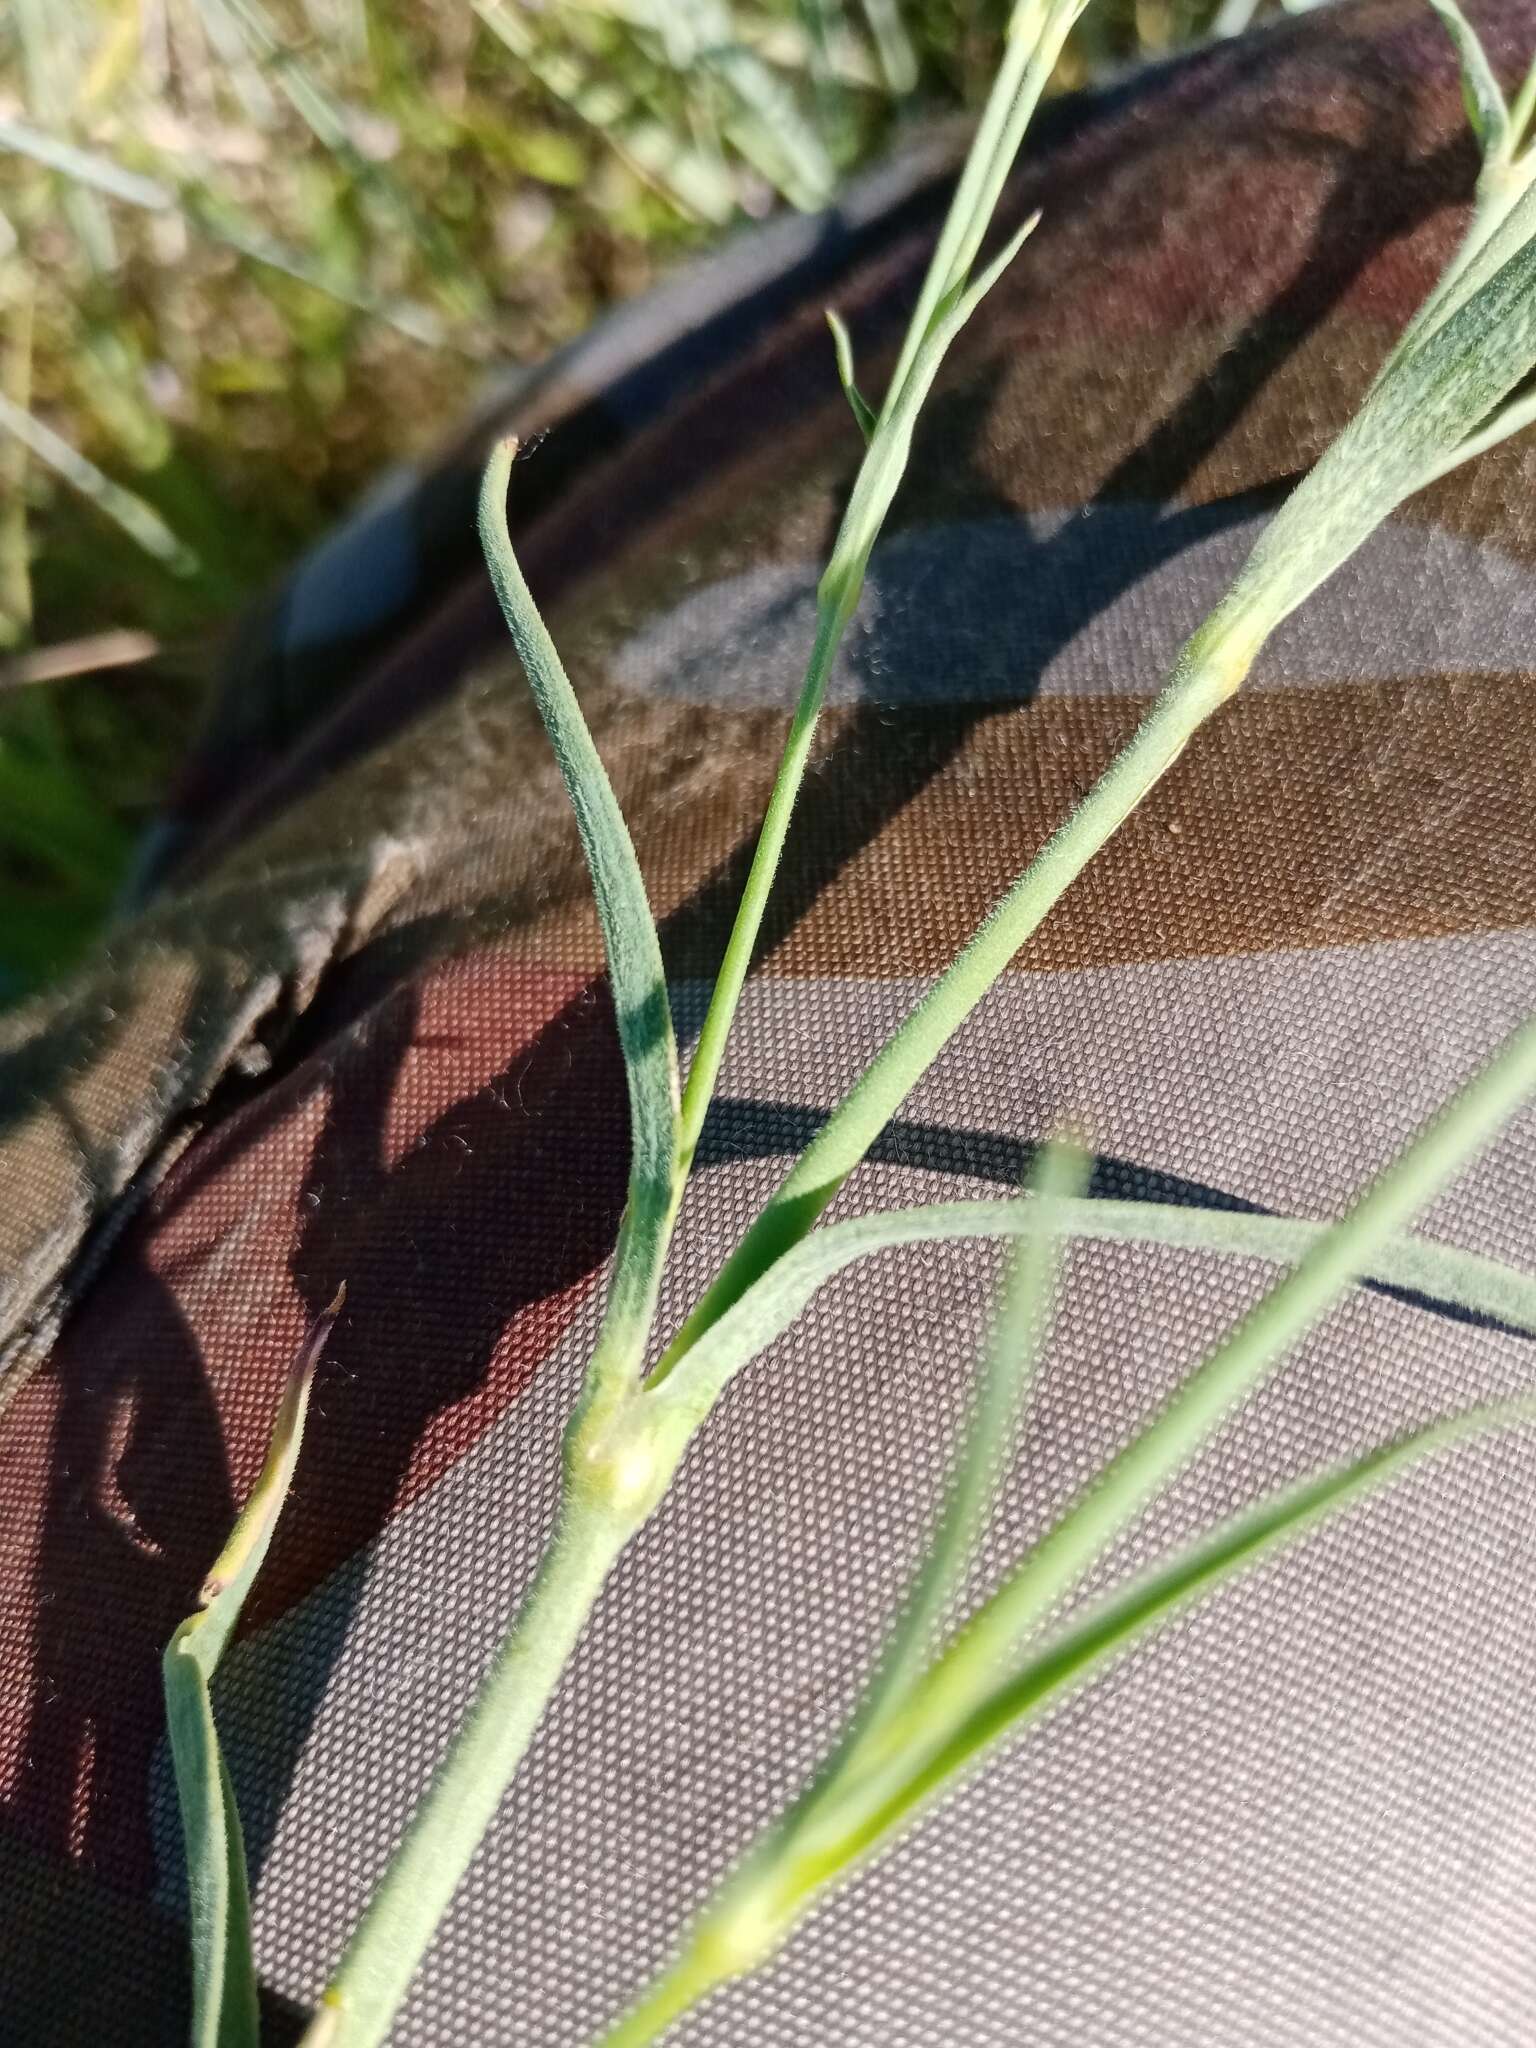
{"points": [[480, 1112]]}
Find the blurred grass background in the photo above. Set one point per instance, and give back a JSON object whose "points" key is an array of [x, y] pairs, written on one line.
{"points": [[252, 250]]}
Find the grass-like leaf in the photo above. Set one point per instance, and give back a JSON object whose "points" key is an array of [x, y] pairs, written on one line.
{"points": [[225, 2013], [893, 46], [1087, 1645], [863, 412], [916, 1732], [1439, 1273], [1025, 1305], [633, 950], [87, 167], [138, 519]]}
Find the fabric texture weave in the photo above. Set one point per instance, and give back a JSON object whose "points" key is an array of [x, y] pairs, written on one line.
{"points": [[359, 1032]]}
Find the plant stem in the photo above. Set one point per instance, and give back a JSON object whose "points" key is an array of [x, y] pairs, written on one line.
{"points": [[704, 1067], [1211, 667], [445, 1830], [1036, 34]]}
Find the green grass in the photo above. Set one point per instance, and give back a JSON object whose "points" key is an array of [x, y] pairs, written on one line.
{"points": [[237, 235]]}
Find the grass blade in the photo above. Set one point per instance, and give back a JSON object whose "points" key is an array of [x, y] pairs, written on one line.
{"points": [[1521, 108], [893, 46], [225, 2013], [140, 521], [863, 412], [1009, 1360], [84, 166], [1086, 1647], [918, 1734]]}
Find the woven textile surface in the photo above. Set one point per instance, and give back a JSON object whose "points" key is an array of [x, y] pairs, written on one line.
{"points": [[360, 1033]]}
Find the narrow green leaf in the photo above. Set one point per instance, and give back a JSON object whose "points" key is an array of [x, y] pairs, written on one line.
{"points": [[943, 1728], [842, 345], [1238, 1365], [225, 2013], [893, 46], [761, 119], [1442, 1273], [85, 166], [694, 182], [1085, 1647], [139, 520], [924, 1732], [1503, 221], [1486, 111], [1429, 399], [633, 950], [1008, 1365]]}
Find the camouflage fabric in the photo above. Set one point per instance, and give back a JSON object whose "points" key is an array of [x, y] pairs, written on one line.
{"points": [[360, 1033]]}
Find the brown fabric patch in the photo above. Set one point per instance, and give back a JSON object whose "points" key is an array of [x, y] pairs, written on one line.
{"points": [[121, 1463]]}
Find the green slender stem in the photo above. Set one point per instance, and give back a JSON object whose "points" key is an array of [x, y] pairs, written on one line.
{"points": [[1037, 32], [1210, 669], [470, 1782], [1238, 1365], [704, 1067]]}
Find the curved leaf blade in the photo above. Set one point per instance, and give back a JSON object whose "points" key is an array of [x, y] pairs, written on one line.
{"points": [[630, 941], [224, 2002], [1442, 1273]]}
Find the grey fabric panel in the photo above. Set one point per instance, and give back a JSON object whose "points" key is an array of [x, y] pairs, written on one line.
{"points": [[1305, 1816], [1091, 601]]}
